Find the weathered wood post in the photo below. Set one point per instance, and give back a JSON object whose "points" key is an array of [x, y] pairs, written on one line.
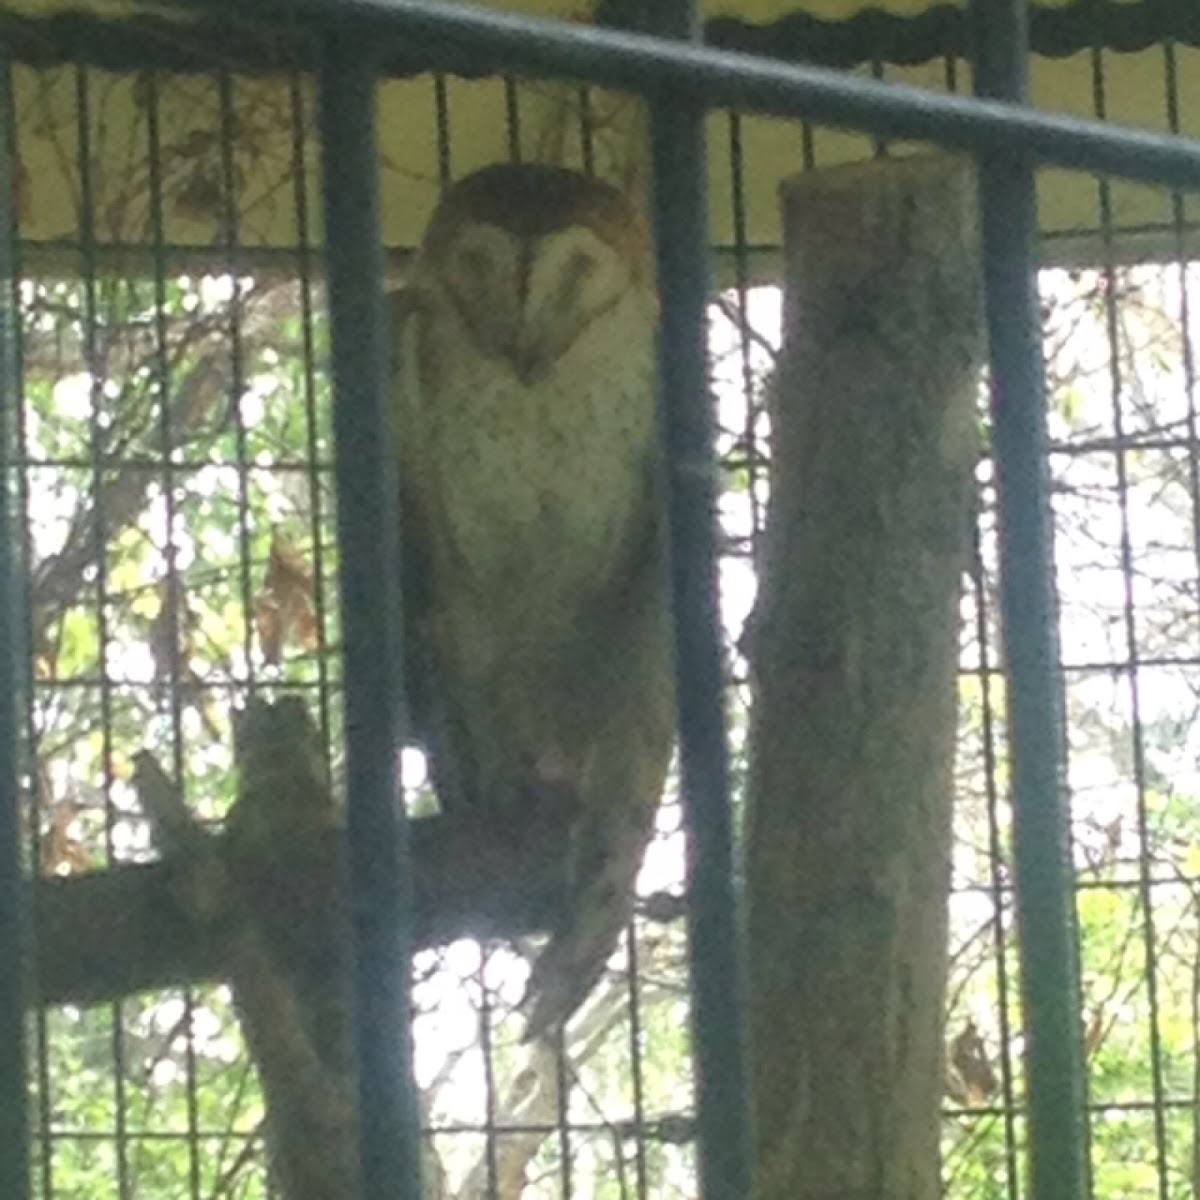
{"points": [[874, 439]]}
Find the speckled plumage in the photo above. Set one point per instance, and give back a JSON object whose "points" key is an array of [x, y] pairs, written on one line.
{"points": [[527, 433]]}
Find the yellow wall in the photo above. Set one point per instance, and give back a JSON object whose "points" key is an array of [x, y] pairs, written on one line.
{"points": [[193, 173]]}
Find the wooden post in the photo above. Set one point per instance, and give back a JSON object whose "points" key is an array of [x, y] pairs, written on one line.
{"points": [[875, 436]]}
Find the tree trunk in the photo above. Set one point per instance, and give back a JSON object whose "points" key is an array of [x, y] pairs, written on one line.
{"points": [[874, 441]]}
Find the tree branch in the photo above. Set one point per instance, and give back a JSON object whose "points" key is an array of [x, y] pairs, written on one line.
{"points": [[114, 932]]}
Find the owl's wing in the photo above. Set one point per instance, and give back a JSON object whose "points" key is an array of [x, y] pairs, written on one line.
{"points": [[632, 747], [429, 719]]}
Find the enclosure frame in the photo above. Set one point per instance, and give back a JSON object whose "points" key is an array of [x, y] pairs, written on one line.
{"points": [[348, 41]]}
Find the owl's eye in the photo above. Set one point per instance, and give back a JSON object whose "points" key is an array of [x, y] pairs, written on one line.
{"points": [[473, 262], [580, 266]]}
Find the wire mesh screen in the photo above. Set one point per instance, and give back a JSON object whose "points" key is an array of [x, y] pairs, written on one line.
{"points": [[178, 514], [179, 552]]}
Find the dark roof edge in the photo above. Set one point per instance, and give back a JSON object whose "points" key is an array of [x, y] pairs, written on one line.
{"points": [[943, 30], [870, 36]]}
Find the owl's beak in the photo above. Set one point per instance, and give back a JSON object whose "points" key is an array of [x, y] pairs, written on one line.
{"points": [[529, 360], [541, 339], [543, 326], [518, 341]]}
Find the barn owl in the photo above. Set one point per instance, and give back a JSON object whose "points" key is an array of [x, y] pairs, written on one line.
{"points": [[536, 587]]}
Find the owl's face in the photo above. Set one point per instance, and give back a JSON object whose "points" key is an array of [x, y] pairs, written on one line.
{"points": [[529, 257]]}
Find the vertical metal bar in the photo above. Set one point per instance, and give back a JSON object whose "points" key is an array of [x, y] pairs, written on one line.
{"points": [[562, 1117], [587, 131], [231, 241], [167, 434], [998, 888], [97, 453], [314, 453], [1187, 348], [512, 117], [14, 1133], [1045, 902], [636, 1067], [441, 111], [741, 277], [714, 927], [365, 470], [877, 73], [490, 1097], [1152, 943], [15, 444], [808, 149]]}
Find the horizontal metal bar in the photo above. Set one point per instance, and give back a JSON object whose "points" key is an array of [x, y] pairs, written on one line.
{"points": [[463, 37]]}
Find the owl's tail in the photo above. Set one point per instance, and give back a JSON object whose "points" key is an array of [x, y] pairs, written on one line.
{"points": [[580, 946], [619, 803], [631, 698], [571, 965]]}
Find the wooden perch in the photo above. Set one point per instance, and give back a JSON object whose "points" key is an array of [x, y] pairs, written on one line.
{"points": [[108, 934], [874, 439], [294, 1008]]}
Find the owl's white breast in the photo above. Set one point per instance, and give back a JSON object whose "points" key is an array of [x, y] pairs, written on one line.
{"points": [[518, 473]]}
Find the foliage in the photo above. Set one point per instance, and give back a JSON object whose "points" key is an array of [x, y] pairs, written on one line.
{"points": [[175, 447], [1123, 468]]}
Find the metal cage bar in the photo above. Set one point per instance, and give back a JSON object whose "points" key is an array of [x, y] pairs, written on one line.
{"points": [[380, 884], [1151, 937], [680, 206], [685, 80], [14, 1128], [463, 37], [1048, 941]]}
